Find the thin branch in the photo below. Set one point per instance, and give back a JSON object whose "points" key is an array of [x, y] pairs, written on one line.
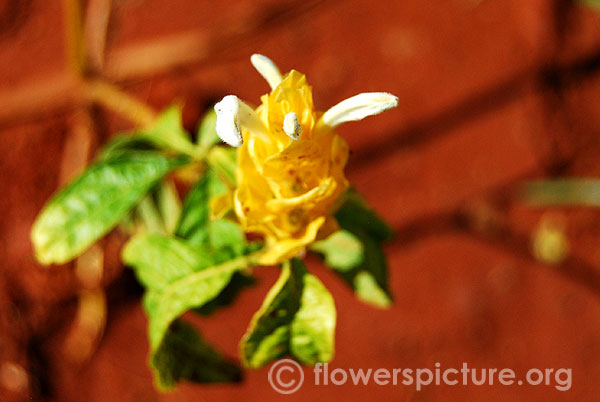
{"points": [[95, 30], [74, 36], [120, 102]]}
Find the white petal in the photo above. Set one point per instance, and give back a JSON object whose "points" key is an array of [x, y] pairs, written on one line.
{"points": [[291, 126], [267, 69], [228, 127], [358, 107], [232, 114]]}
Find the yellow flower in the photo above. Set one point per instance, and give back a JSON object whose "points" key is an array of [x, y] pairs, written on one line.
{"points": [[290, 171]]}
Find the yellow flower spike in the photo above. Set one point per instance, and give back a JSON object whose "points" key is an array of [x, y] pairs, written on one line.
{"points": [[290, 171], [279, 250]]}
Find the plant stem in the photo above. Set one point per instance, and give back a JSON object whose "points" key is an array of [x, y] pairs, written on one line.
{"points": [[95, 31], [74, 33], [118, 101], [150, 216], [169, 204]]}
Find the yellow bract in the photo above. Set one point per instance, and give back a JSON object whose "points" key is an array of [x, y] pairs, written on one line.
{"points": [[287, 188]]}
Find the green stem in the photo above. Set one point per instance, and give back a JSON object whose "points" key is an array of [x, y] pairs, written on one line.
{"points": [[169, 205], [150, 216]]}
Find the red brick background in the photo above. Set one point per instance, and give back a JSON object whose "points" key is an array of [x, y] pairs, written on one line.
{"points": [[491, 93]]}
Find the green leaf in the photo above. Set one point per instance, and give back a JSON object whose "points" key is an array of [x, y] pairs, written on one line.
{"points": [[207, 131], [159, 260], [297, 316], [267, 337], [357, 218], [313, 328], [224, 161], [193, 224], [195, 213], [124, 143], [94, 203], [189, 292], [227, 237], [342, 250], [168, 132], [178, 277], [368, 290], [239, 281], [185, 355], [355, 212]]}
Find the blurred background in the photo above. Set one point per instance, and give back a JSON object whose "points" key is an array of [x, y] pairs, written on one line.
{"points": [[492, 93]]}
